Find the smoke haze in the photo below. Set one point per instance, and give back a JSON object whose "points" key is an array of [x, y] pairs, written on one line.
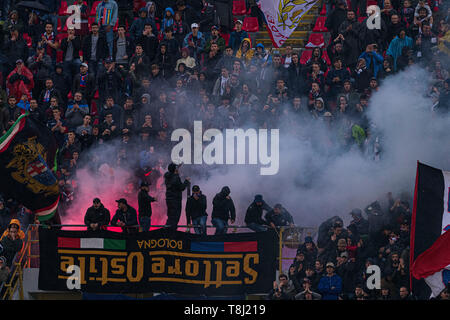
{"points": [[315, 182]]}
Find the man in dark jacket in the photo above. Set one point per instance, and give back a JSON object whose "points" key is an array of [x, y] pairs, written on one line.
{"points": [[253, 217], [336, 18], [279, 217], [71, 47], [223, 210], [360, 224], [95, 48], [196, 211], [349, 30], [145, 207], [84, 82], [174, 189], [97, 216], [125, 217], [5, 216]]}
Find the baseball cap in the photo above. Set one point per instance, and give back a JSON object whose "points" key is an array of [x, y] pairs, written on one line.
{"points": [[194, 25], [330, 264], [96, 200], [19, 61], [122, 200], [344, 254], [239, 21], [84, 65], [215, 27]]}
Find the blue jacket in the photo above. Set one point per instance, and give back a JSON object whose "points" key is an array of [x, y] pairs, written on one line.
{"points": [[377, 61], [396, 46], [325, 285], [137, 27]]}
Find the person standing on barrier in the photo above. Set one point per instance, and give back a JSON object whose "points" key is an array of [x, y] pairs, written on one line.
{"points": [[253, 217], [279, 217], [145, 207], [97, 217], [174, 196], [196, 211], [223, 210], [125, 217]]}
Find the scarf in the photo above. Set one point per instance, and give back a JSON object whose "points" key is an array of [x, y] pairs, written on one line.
{"points": [[49, 50], [83, 80]]}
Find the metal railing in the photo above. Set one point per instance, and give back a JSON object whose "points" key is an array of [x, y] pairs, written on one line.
{"points": [[291, 237]]}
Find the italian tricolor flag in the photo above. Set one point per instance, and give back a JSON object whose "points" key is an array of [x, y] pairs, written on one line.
{"points": [[91, 243]]}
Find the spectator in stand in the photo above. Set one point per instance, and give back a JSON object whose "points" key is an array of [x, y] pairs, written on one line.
{"points": [[254, 215], [15, 48], [283, 290], [84, 82], [137, 28], [279, 217], [95, 49], [196, 211], [223, 211], [174, 189], [397, 44], [123, 47], [194, 41], [47, 93], [237, 36], [5, 216], [71, 47], [307, 293], [349, 30], [20, 81], [330, 285], [97, 217], [145, 207], [11, 241], [245, 52], [168, 19], [106, 16], [125, 217], [76, 110], [336, 17]]}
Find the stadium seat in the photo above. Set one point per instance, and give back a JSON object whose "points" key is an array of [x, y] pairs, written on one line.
{"points": [[59, 25], [306, 55], [226, 37], [320, 25], [251, 24], [239, 8], [323, 12], [372, 2], [63, 9], [69, 96], [315, 40], [361, 19], [91, 20], [27, 39], [61, 36], [94, 109], [59, 56], [94, 8], [116, 26], [326, 57]]}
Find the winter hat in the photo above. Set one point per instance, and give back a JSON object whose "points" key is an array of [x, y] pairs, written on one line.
{"points": [[122, 200], [195, 188], [258, 198], [356, 212], [330, 264]]}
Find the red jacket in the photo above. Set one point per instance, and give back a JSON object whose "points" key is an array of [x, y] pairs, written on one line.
{"points": [[19, 84]]}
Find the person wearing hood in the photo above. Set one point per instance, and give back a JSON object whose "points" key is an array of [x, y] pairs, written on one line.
{"points": [[137, 27], [12, 241], [254, 215], [174, 196], [20, 81], [167, 21], [359, 224], [196, 210], [145, 207], [396, 46], [245, 51], [61, 82], [97, 217], [223, 211]]}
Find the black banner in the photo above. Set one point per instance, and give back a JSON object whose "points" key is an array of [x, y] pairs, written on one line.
{"points": [[157, 261]]}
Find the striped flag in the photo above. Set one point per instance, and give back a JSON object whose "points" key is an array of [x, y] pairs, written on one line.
{"points": [[91, 243], [430, 241]]}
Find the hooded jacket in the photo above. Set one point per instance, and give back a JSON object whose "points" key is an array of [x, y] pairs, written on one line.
{"points": [[129, 217], [195, 208], [247, 56], [11, 247], [223, 208], [254, 213], [100, 216], [19, 84], [330, 287], [174, 186], [20, 232]]}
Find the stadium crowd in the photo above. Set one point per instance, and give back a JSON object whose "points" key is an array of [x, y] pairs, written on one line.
{"points": [[136, 70]]}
